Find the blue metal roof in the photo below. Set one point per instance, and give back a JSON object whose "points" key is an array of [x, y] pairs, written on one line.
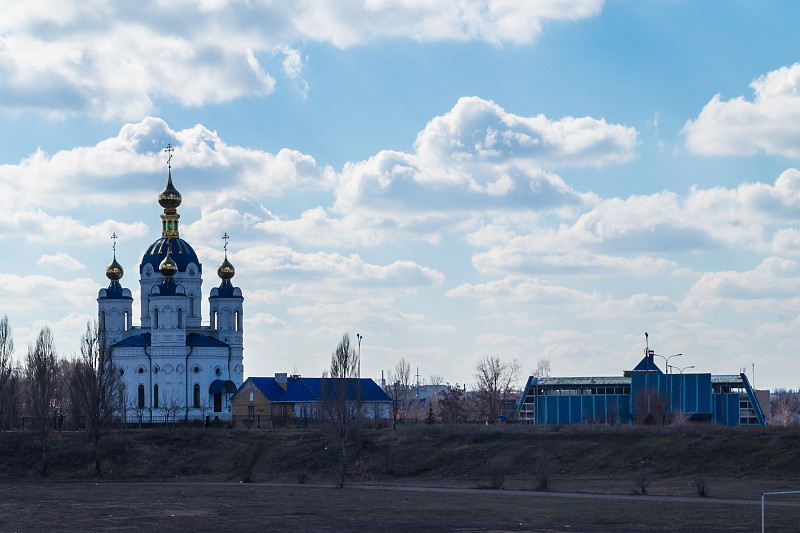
{"points": [[115, 291], [182, 254], [192, 339], [370, 391], [142, 339], [309, 389], [225, 290], [647, 364], [219, 386], [198, 339]]}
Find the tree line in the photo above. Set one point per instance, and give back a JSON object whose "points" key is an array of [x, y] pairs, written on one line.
{"points": [[45, 391]]}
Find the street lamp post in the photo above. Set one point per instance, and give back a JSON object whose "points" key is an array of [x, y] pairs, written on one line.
{"points": [[666, 359], [680, 385]]}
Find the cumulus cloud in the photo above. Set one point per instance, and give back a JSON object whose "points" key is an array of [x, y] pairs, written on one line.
{"points": [[639, 234], [773, 284], [60, 260], [132, 165], [770, 123], [114, 60], [478, 154]]}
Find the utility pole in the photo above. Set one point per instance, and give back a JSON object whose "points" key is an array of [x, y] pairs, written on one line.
{"points": [[417, 383], [359, 336]]}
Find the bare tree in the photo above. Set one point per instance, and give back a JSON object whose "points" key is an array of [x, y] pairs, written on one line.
{"points": [[435, 379], [6, 364], [398, 389], [452, 405], [170, 406], [542, 369], [10, 401], [340, 399], [651, 407], [137, 409], [495, 382], [41, 375], [98, 386]]}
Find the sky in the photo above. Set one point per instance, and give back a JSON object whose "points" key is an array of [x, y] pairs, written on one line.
{"points": [[450, 179]]}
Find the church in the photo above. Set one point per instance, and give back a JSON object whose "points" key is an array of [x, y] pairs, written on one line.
{"points": [[172, 364]]}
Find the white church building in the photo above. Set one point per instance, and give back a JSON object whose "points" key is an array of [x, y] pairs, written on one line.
{"points": [[172, 361]]}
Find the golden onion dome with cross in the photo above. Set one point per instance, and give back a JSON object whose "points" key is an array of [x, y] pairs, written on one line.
{"points": [[114, 271], [226, 270], [169, 198]]}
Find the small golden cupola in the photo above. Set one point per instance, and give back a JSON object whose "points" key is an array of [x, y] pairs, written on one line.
{"points": [[114, 271], [226, 270], [168, 267], [169, 199]]}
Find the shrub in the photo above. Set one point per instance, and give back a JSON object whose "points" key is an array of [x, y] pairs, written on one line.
{"points": [[543, 470], [643, 477], [700, 486], [497, 468], [245, 463]]}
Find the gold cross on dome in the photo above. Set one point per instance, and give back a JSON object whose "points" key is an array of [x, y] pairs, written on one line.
{"points": [[225, 238], [169, 149], [114, 238]]}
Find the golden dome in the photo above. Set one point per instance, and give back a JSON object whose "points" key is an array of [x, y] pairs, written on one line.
{"points": [[226, 270], [168, 268], [114, 271], [169, 198]]}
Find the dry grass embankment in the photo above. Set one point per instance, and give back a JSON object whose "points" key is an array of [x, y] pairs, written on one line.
{"points": [[731, 462]]}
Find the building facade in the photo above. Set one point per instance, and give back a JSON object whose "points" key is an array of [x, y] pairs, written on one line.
{"points": [[644, 395], [172, 364], [294, 400]]}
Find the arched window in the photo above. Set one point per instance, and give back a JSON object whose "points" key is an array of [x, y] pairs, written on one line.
{"points": [[155, 318], [180, 317], [238, 320], [140, 400], [191, 305], [196, 395], [155, 396], [102, 320], [127, 317], [214, 319]]}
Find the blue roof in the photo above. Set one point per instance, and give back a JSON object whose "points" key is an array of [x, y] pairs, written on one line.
{"points": [[647, 364], [309, 389], [192, 339], [225, 290], [182, 254], [167, 287], [142, 339], [198, 339], [370, 391], [115, 291], [219, 386]]}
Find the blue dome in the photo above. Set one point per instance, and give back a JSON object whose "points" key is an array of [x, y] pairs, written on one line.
{"points": [[182, 254]]}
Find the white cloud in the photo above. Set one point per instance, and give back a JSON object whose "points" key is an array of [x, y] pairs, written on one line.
{"points": [[60, 260], [771, 286], [635, 234], [132, 165], [770, 123], [113, 60]]}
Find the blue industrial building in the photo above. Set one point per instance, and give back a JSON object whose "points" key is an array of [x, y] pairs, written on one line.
{"points": [[643, 395]]}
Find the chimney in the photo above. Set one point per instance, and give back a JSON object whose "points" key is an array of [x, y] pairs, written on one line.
{"points": [[280, 379]]}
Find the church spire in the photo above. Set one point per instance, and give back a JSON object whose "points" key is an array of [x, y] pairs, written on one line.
{"points": [[169, 199]]}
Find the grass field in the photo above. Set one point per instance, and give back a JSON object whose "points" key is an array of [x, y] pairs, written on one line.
{"points": [[250, 507], [198, 472]]}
